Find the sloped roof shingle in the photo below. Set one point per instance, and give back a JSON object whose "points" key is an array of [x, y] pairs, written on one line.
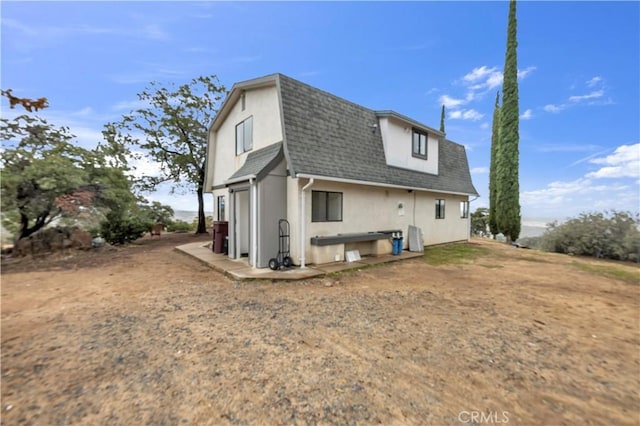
{"points": [[332, 137]]}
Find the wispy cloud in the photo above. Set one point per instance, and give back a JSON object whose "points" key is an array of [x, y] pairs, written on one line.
{"points": [[450, 102], [479, 170], [466, 114], [527, 115], [607, 187], [46, 35], [592, 95], [596, 96], [624, 162], [476, 83], [594, 81]]}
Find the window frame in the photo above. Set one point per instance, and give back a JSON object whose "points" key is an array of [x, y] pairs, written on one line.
{"points": [[221, 207], [464, 209], [440, 208], [244, 123], [417, 154], [325, 218]]}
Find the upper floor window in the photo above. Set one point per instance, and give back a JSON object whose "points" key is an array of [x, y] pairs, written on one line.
{"points": [[244, 136], [419, 144], [326, 206], [439, 208]]}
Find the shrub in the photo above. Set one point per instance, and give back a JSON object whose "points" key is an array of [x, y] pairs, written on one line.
{"points": [[180, 226], [121, 229], [607, 235]]}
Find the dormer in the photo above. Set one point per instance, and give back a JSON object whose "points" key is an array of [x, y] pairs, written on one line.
{"points": [[409, 144]]}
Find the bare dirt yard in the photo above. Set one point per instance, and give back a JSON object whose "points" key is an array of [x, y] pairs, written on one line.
{"points": [[146, 335]]}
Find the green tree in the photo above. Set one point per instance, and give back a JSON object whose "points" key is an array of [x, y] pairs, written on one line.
{"points": [[158, 212], [43, 174], [507, 180], [174, 129], [442, 113], [480, 220], [46, 176], [495, 141]]}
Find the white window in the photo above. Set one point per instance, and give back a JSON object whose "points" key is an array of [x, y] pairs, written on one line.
{"points": [[244, 136]]}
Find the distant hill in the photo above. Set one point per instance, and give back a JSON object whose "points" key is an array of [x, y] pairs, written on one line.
{"points": [[188, 215]]}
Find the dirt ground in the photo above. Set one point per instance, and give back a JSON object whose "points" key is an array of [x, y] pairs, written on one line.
{"points": [[146, 335]]}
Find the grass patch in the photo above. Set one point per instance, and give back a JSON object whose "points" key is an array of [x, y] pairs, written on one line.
{"points": [[454, 254], [538, 259], [610, 271]]}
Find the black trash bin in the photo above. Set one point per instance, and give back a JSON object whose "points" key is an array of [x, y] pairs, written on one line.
{"points": [[220, 232]]}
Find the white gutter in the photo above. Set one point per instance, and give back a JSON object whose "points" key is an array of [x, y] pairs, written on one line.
{"points": [[303, 222], [254, 219], [384, 185], [240, 179]]}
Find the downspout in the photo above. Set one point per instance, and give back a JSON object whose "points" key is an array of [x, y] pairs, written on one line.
{"points": [[303, 223], [254, 220], [469, 218]]}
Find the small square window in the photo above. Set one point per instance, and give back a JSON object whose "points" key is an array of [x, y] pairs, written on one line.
{"points": [[326, 206]]}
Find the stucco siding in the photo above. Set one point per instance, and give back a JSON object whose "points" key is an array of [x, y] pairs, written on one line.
{"points": [[398, 147], [369, 208], [261, 104]]}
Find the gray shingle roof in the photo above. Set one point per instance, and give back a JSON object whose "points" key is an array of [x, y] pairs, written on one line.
{"points": [[329, 136], [259, 163]]}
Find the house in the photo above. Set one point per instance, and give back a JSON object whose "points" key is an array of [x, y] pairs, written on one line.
{"points": [[337, 171]]}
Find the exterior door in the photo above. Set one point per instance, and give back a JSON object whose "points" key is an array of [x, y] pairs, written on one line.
{"points": [[242, 228]]}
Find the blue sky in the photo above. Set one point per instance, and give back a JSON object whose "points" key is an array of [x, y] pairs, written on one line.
{"points": [[579, 74]]}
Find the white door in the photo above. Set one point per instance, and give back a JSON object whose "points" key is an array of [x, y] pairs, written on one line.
{"points": [[242, 223]]}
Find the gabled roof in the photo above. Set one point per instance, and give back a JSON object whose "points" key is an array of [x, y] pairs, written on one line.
{"points": [[258, 163], [327, 136]]}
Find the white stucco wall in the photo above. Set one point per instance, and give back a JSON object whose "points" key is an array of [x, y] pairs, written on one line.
{"points": [[368, 208], [261, 104], [398, 146]]}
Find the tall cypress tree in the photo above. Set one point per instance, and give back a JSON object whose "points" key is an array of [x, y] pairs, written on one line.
{"points": [[442, 119], [495, 141], [507, 180]]}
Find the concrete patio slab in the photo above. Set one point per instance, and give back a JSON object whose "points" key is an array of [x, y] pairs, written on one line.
{"points": [[241, 270]]}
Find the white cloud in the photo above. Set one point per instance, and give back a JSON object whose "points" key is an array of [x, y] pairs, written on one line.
{"points": [[553, 108], [527, 115], [479, 170], [602, 189], [479, 73], [143, 166], [624, 162], [469, 114], [592, 95], [594, 81], [525, 72], [129, 105], [450, 102], [477, 83]]}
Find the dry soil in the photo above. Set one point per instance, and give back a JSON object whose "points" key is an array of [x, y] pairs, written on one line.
{"points": [[146, 335]]}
